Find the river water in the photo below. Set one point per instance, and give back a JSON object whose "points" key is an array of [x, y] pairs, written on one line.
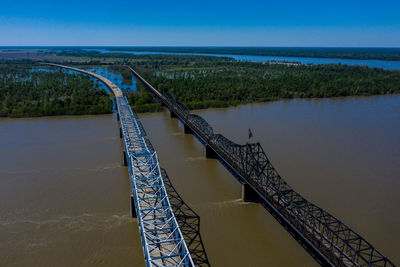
{"points": [[384, 64], [64, 198], [342, 154]]}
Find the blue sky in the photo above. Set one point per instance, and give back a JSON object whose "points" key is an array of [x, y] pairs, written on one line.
{"points": [[201, 23]]}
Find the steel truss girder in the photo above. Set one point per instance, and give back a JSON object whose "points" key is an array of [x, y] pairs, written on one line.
{"points": [[162, 240], [334, 239], [189, 223]]}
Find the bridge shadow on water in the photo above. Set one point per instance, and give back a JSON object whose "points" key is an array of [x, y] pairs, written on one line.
{"points": [[325, 237], [187, 219], [189, 223]]}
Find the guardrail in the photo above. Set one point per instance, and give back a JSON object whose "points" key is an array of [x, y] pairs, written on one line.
{"points": [[162, 240]]}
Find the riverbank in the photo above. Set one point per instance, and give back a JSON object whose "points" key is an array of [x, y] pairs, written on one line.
{"points": [[389, 54], [210, 82], [373, 63], [200, 83], [338, 153]]}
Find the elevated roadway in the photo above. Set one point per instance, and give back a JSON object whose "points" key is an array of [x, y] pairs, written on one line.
{"points": [[162, 240]]}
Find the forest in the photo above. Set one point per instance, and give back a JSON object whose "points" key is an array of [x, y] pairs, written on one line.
{"points": [[392, 54], [142, 101], [197, 81], [220, 83], [24, 93]]}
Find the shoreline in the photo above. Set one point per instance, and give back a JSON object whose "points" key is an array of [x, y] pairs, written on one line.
{"points": [[210, 108], [283, 100]]}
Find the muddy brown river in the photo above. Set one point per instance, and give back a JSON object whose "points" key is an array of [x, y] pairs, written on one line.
{"points": [[64, 196]]}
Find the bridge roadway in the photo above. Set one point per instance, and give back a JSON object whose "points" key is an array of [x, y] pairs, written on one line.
{"points": [[162, 240], [326, 238]]}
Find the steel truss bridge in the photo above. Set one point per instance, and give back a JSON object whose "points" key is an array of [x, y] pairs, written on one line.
{"points": [[326, 238], [163, 241]]}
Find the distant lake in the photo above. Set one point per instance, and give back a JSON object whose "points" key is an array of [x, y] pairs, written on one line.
{"points": [[390, 65], [113, 76]]}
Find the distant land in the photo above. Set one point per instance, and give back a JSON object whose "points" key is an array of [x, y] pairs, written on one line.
{"points": [[198, 80], [374, 53]]}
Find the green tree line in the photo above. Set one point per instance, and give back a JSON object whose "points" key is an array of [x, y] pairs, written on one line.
{"points": [[42, 93], [202, 84], [142, 101], [365, 53]]}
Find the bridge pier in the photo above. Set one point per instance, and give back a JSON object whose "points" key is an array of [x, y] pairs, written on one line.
{"points": [[172, 114], [117, 116], [249, 194], [210, 153], [125, 162], [187, 129], [120, 133], [133, 208]]}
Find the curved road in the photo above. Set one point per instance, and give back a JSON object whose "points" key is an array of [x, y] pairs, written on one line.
{"points": [[115, 89]]}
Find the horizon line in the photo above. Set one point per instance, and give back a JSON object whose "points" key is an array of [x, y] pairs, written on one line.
{"points": [[184, 46]]}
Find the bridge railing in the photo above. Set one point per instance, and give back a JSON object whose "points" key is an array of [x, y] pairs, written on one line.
{"points": [[332, 238], [337, 241], [197, 122], [162, 240]]}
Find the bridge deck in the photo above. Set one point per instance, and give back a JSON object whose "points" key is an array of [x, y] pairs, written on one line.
{"points": [[162, 240], [161, 236]]}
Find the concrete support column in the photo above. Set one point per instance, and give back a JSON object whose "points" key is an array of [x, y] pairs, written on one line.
{"points": [[120, 133], [117, 116], [172, 114], [210, 153], [125, 162], [187, 129], [133, 208], [249, 194]]}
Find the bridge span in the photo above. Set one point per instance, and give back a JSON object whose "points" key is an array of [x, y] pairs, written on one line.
{"points": [[325, 237], [162, 239]]}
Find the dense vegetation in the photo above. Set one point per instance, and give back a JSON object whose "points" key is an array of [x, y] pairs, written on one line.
{"points": [[42, 93], [217, 83], [321, 52], [125, 73], [143, 101], [197, 81], [96, 58]]}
